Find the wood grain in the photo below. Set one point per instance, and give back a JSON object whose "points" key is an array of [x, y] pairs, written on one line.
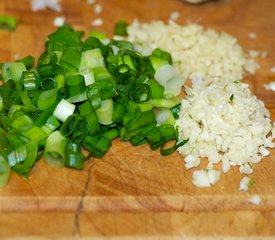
{"points": [[133, 191]]}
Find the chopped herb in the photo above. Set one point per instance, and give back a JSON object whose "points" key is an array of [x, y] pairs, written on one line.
{"points": [[82, 94], [8, 23]]}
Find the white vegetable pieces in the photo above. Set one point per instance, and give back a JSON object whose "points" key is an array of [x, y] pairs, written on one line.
{"points": [[225, 123], [63, 110], [168, 77], [205, 178]]}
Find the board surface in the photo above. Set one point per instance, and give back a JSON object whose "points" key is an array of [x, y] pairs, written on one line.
{"points": [[133, 191]]}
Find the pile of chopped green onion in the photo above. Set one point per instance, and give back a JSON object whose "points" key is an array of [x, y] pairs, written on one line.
{"points": [[82, 94]]}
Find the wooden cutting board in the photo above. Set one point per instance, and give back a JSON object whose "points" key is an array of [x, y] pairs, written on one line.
{"points": [[134, 192]]}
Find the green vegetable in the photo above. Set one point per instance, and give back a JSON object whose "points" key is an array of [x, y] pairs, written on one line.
{"points": [[8, 23], [82, 94], [73, 155], [121, 28], [54, 153]]}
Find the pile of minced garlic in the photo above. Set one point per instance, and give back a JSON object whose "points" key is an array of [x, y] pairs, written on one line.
{"points": [[223, 121]]}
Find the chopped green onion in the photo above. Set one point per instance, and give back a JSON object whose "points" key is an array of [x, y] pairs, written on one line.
{"points": [[164, 103], [91, 58], [154, 138], [50, 125], [75, 127], [111, 134], [90, 116], [30, 80], [73, 155], [105, 112], [70, 59], [85, 94], [99, 35], [97, 145], [176, 110], [165, 116], [168, 77], [28, 61], [1, 103], [21, 121], [146, 118], [4, 170], [13, 71], [63, 110], [88, 75], [94, 43], [47, 98], [118, 112], [156, 89], [8, 23], [94, 96], [121, 28], [75, 88], [54, 152], [23, 158], [27, 102]]}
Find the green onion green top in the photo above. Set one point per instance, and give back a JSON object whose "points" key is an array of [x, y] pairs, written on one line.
{"points": [[82, 94]]}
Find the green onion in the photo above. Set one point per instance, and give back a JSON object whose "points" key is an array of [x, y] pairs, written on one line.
{"points": [[12, 71], [88, 75], [21, 121], [35, 133], [4, 170], [111, 134], [105, 82], [168, 77], [1, 103], [140, 93], [99, 35], [91, 58], [138, 125], [121, 28], [160, 58], [28, 61], [54, 152], [176, 110], [75, 88], [73, 155], [165, 116], [154, 138], [93, 96], [156, 89], [44, 116], [164, 103], [85, 94], [118, 112], [47, 98], [63, 110], [8, 23], [50, 125], [30, 80], [70, 59], [105, 112], [90, 116], [94, 43], [27, 102], [97, 145], [167, 151], [23, 158], [75, 127]]}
